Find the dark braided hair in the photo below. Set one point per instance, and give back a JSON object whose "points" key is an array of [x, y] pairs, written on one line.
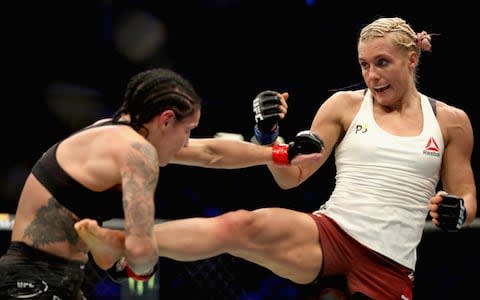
{"points": [[153, 91]]}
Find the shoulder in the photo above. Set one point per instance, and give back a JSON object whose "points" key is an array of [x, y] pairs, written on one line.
{"points": [[122, 143], [133, 145], [349, 95], [101, 121], [447, 113], [346, 98], [336, 114], [343, 103], [453, 121]]}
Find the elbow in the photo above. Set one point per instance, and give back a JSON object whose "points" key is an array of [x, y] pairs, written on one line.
{"points": [[289, 181], [141, 255], [136, 252], [286, 186]]}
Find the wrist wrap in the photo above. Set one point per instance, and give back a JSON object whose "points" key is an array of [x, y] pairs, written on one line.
{"points": [[280, 154], [265, 138], [145, 277]]}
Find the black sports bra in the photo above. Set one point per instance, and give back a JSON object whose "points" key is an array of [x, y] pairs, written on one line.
{"points": [[80, 200]]}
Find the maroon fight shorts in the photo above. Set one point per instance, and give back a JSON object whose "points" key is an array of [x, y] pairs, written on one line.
{"points": [[365, 270]]}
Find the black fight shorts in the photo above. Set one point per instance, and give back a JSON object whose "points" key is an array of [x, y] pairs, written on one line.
{"points": [[28, 273]]}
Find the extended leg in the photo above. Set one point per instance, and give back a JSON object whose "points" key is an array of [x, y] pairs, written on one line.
{"points": [[281, 240]]}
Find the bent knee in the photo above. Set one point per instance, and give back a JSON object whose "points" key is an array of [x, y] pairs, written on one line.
{"points": [[236, 223]]}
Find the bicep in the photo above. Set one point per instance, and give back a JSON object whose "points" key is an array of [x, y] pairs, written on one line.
{"points": [[328, 123], [457, 174]]}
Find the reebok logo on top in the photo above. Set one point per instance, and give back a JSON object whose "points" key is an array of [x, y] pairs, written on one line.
{"points": [[431, 149]]}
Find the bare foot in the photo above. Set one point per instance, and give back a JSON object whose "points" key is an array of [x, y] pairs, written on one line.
{"points": [[106, 245]]}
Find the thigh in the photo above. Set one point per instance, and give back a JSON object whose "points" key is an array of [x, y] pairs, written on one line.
{"points": [[286, 241], [285, 228]]}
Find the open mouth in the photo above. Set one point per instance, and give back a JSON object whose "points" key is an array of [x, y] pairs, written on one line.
{"points": [[382, 88]]}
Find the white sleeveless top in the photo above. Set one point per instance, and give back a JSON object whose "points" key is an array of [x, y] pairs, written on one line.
{"points": [[383, 183]]}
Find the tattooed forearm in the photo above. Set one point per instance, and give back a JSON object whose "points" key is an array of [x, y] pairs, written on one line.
{"points": [[53, 223]]}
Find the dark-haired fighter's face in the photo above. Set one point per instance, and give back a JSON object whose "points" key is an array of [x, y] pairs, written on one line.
{"points": [[176, 136]]}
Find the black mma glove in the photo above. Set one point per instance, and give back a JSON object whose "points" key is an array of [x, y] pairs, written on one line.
{"points": [[121, 271], [266, 107], [305, 142], [452, 213]]}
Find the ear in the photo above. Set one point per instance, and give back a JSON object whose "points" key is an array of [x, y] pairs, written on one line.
{"points": [[166, 117], [412, 59]]}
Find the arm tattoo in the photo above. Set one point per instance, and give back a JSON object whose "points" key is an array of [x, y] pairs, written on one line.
{"points": [[139, 183]]}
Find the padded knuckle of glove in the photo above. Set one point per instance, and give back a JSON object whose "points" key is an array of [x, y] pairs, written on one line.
{"points": [[305, 142], [452, 213], [308, 142], [266, 107]]}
